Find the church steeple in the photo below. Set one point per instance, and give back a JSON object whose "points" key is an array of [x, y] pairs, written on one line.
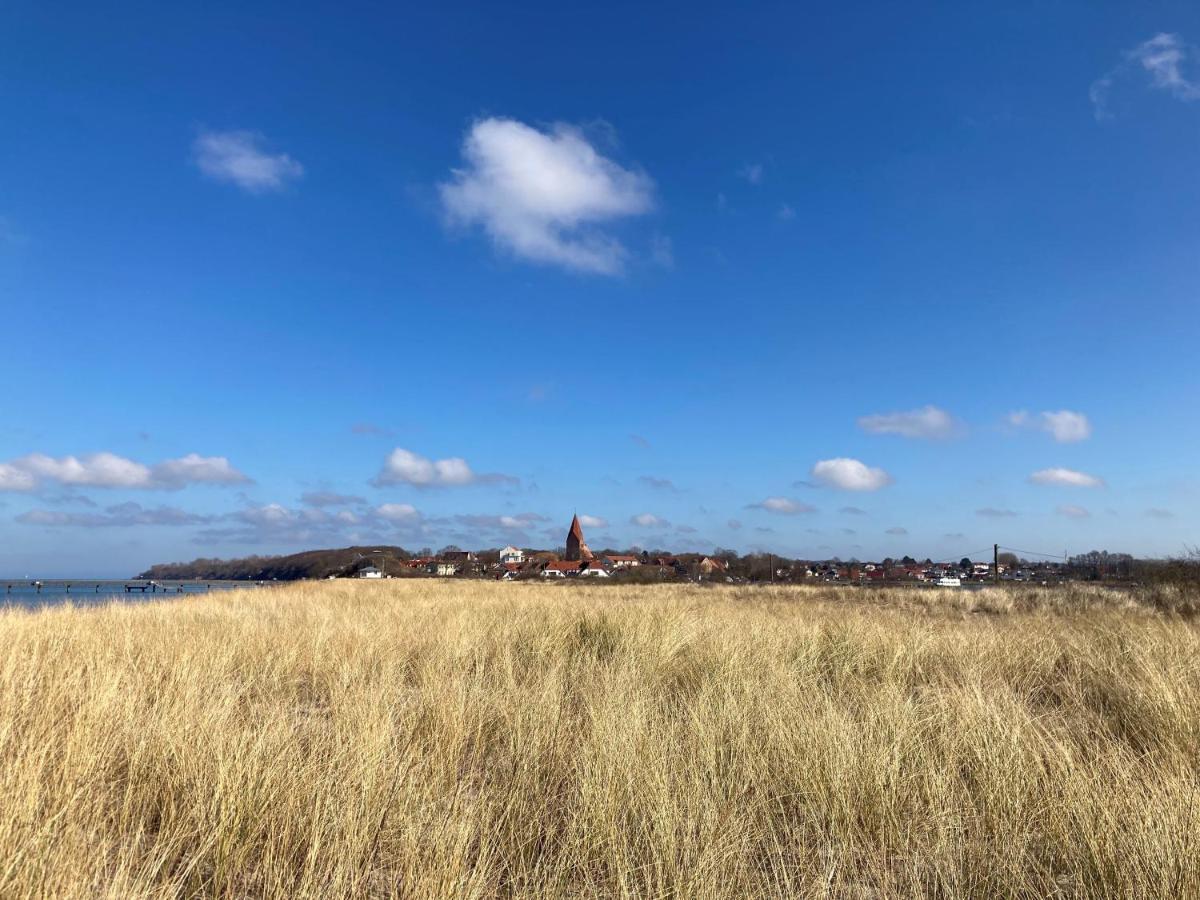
{"points": [[577, 549]]}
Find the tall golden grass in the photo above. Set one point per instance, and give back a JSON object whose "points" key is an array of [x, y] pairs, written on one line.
{"points": [[463, 739]]}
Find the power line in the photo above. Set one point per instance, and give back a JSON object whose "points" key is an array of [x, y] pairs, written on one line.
{"points": [[1034, 553]]}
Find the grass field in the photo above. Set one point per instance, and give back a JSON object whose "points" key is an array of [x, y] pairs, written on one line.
{"points": [[467, 739]]}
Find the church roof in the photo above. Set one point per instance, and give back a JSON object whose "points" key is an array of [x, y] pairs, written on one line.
{"points": [[576, 529]]}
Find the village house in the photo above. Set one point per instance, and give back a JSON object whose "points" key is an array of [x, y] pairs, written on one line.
{"points": [[561, 568], [369, 572], [707, 565], [442, 568], [512, 555], [617, 561]]}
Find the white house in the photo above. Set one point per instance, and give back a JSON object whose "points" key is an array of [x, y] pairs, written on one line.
{"points": [[596, 572], [369, 572], [512, 554]]}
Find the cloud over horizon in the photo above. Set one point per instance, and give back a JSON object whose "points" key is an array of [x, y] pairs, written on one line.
{"points": [[406, 467], [108, 470], [543, 196]]}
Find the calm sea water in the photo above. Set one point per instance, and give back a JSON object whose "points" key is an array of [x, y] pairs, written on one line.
{"points": [[85, 591]]}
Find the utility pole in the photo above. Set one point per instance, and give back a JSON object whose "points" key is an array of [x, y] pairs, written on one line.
{"points": [[995, 563]]}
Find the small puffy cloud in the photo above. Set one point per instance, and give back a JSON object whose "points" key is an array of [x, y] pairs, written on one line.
{"points": [[897, 531], [238, 157], [108, 470], [1072, 512], [1066, 478], [849, 475], [752, 172], [928, 422], [544, 195], [734, 525], [992, 512], [593, 522], [330, 498], [1156, 513], [406, 467], [397, 512], [685, 529], [852, 511], [785, 213], [1066, 426], [648, 520], [783, 506]]}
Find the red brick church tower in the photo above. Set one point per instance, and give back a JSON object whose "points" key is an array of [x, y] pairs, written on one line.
{"points": [[576, 548]]}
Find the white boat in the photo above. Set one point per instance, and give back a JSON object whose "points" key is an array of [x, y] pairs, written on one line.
{"points": [[949, 581]]}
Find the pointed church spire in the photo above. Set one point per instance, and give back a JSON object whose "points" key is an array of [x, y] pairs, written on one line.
{"points": [[576, 548]]}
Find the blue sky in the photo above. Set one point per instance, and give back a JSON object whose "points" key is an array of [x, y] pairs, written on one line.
{"points": [[861, 281]]}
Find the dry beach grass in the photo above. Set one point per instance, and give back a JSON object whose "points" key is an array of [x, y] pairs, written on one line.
{"points": [[464, 739]]}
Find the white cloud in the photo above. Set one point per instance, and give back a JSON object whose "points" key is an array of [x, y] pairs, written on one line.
{"points": [[196, 469], [1072, 512], [783, 506], [1065, 477], [649, 520], [397, 512], [991, 512], [1162, 57], [593, 522], [542, 195], [1066, 426], [14, 478], [405, 467], [897, 531], [850, 475], [786, 213], [926, 422], [238, 157], [108, 470]]}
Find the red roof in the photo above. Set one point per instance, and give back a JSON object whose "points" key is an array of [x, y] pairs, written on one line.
{"points": [[563, 565]]}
